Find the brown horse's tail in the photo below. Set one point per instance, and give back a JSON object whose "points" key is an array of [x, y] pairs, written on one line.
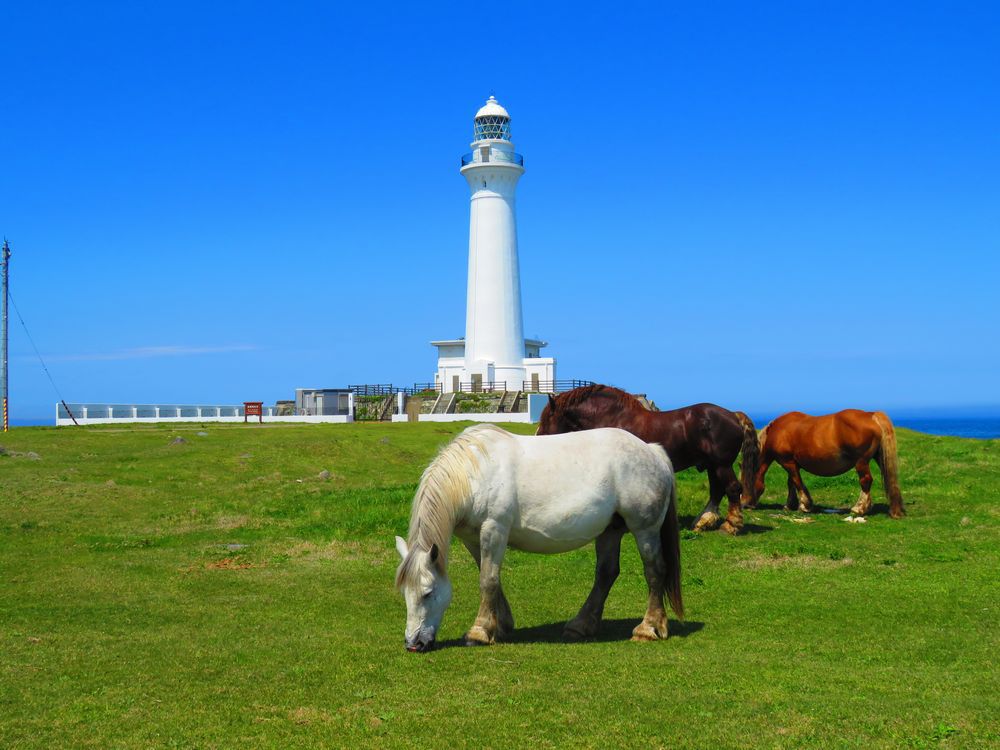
{"points": [[888, 464], [750, 461], [670, 547]]}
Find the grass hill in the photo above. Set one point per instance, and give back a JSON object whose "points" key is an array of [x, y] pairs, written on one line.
{"points": [[232, 586]]}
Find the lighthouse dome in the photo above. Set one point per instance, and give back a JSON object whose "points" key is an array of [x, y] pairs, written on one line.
{"points": [[492, 122]]}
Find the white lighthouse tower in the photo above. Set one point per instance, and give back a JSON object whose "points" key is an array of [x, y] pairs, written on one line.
{"points": [[494, 351]]}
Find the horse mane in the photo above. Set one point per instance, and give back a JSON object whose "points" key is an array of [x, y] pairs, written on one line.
{"points": [[444, 488], [617, 396]]}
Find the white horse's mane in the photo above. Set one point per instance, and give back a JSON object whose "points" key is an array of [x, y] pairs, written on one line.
{"points": [[444, 488]]}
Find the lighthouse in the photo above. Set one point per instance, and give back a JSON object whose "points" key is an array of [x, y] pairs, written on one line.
{"points": [[494, 353]]}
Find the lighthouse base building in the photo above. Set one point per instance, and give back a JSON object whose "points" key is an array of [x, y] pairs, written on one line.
{"points": [[535, 372], [494, 355]]}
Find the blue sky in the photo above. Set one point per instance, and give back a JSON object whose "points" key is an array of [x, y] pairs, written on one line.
{"points": [[769, 206]]}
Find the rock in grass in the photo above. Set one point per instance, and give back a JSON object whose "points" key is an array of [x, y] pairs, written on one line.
{"points": [[178, 441], [324, 475], [32, 455]]}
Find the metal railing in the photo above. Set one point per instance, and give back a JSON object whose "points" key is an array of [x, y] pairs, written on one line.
{"points": [[487, 386], [494, 155], [554, 386], [386, 389], [373, 389]]}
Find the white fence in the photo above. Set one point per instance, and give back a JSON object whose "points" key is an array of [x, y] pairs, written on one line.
{"points": [[118, 413]]}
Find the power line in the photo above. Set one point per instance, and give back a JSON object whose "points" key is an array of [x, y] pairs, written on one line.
{"points": [[37, 353]]}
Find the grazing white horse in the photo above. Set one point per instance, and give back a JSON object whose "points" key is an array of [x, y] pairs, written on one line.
{"points": [[546, 494]]}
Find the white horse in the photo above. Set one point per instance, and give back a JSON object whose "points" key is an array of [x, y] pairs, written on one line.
{"points": [[546, 494]]}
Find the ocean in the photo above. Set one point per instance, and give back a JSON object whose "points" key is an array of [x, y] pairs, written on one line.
{"points": [[966, 427], [957, 427]]}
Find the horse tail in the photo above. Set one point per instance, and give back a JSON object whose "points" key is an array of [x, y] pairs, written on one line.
{"points": [[750, 461], [761, 448], [888, 464], [670, 548]]}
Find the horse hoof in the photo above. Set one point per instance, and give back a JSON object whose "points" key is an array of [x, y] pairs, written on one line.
{"points": [[707, 522], [578, 630], [646, 632], [731, 528], [477, 636]]}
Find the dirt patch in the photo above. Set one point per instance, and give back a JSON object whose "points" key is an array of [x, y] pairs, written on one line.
{"points": [[336, 550], [762, 562], [309, 715], [232, 563], [30, 455], [227, 523]]}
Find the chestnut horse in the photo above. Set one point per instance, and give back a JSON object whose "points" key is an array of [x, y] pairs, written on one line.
{"points": [[704, 436], [827, 446]]}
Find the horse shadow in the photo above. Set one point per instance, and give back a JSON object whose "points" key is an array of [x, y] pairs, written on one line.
{"points": [[611, 630], [687, 522], [818, 510]]}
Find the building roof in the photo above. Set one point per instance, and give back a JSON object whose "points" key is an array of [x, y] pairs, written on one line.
{"points": [[492, 108]]}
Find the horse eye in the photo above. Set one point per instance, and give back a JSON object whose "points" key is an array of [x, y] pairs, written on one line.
{"points": [[428, 594]]}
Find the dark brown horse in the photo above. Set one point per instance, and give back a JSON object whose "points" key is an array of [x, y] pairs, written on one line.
{"points": [[828, 446], [704, 436]]}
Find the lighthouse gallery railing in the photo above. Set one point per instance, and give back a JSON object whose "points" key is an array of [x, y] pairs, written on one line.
{"points": [[493, 155]]}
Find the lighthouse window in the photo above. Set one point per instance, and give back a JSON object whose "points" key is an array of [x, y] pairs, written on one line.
{"points": [[492, 127]]}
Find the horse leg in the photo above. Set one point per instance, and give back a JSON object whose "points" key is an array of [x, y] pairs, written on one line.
{"points": [[608, 546], [805, 499], [492, 545], [792, 502], [505, 617], [654, 624], [864, 503], [758, 484], [709, 518], [733, 489]]}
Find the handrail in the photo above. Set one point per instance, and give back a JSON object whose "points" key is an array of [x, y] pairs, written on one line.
{"points": [[555, 386], [493, 155]]}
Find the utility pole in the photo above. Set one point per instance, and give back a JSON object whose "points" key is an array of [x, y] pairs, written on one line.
{"points": [[4, 264]]}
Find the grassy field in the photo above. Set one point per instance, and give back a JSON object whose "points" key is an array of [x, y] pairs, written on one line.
{"points": [[224, 592]]}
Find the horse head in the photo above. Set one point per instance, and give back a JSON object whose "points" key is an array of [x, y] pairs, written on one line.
{"points": [[427, 591], [549, 422]]}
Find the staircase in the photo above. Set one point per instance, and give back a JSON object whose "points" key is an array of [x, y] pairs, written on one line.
{"points": [[508, 402], [386, 408], [445, 404]]}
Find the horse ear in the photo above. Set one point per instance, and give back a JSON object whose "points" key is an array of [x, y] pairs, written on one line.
{"points": [[552, 401], [434, 552], [401, 547]]}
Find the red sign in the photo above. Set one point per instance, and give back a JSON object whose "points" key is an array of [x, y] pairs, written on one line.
{"points": [[253, 409]]}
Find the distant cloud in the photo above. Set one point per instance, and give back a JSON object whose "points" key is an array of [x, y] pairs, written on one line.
{"points": [[149, 352]]}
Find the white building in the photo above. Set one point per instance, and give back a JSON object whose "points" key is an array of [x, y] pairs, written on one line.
{"points": [[494, 353]]}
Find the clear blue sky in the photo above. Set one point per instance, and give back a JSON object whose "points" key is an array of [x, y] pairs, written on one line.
{"points": [[769, 206]]}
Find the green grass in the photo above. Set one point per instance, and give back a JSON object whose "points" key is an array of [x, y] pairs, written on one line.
{"points": [[220, 593]]}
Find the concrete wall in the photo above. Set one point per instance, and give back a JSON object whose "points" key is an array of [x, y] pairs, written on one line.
{"points": [[536, 402], [339, 419]]}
